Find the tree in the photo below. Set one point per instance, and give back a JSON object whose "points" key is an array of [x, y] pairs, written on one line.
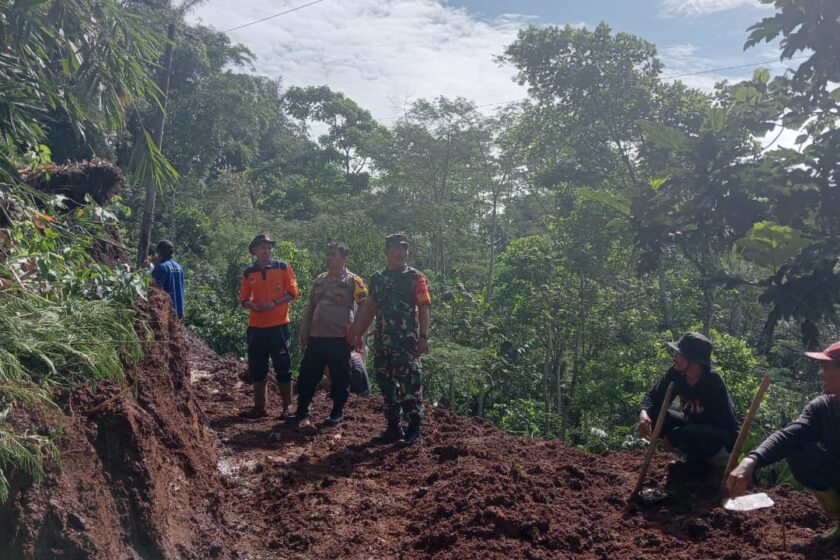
{"points": [[353, 138], [430, 178], [807, 286], [87, 62]]}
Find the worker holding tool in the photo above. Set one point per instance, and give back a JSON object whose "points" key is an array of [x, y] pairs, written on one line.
{"points": [[705, 428], [811, 445]]}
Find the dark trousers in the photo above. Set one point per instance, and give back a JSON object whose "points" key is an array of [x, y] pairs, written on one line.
{"points": [[814, 468], [265, 343], [332, 352], [698, 441]]}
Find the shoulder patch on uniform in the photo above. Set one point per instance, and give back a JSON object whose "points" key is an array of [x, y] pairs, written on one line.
{"points": [[250, 269]]}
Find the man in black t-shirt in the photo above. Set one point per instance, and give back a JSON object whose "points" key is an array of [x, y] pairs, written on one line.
{"points": [[705, 428], [811, 445]]}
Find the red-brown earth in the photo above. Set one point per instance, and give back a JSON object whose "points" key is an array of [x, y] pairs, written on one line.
{"points": [[168, 470]]}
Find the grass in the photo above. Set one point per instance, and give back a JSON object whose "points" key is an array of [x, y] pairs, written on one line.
{"points": [[49, 345]]}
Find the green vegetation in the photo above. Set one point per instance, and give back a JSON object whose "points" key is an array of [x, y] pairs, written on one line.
{"points": [[47, 345], [70, 75], [566, 237]]}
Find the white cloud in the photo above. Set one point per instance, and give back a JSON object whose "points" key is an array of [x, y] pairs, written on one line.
{"points": [[685, 62], [694, 8], [381, 53]]}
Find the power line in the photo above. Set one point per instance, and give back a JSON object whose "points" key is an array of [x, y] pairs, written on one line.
{"points": [[774, 61], [708, 71], [272, 16]]}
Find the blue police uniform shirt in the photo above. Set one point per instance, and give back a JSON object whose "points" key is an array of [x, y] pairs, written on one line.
{"points": [[169, 276]]}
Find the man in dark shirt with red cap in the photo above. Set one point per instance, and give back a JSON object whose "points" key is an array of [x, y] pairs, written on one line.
{"points": [[811, 445]]}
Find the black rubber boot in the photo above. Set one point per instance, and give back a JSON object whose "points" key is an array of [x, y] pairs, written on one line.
{"points": [[412, 434], [301, 414], [337, 415], [391, 434]]}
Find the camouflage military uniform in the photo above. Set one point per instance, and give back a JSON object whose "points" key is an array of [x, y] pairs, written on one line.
{"points": [[396, 361]]}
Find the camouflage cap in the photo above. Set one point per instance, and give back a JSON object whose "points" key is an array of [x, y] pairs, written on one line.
{"points": [[397, 240]]}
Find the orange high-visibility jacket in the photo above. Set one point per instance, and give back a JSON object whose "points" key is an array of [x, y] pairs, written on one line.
{"points": [[260, 285]]}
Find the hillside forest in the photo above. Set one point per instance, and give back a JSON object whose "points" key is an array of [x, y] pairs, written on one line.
{"points": [[565, 237]]}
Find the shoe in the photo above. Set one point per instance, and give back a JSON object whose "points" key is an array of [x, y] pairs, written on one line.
{"points": [[412, 434], [391, 434], [260, 397], [830, 502], [336, 417], [299, 416]]}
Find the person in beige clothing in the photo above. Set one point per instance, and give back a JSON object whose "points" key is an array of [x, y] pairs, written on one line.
{"points": [[332, 302]]}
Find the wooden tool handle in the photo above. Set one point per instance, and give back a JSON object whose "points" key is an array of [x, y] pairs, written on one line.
{"points": [[660, 420], [745, 428]]}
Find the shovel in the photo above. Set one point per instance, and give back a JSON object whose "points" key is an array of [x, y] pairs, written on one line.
{"points": [[747, 502], [654, 437]]}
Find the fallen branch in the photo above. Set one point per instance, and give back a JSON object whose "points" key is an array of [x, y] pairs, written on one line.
{"points": [[106, 402]]}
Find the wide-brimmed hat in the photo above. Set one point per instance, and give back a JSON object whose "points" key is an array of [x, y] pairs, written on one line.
{"points": [[830, 354], [396, 240], [259, 239], [695, 347]]}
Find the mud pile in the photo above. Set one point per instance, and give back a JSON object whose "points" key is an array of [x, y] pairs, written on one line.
{"points": [[169, 470], [468, 490], [137, 478], [97, 178]]}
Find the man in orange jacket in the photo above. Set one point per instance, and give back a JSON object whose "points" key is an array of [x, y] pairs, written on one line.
{"points": [[267, 287]]}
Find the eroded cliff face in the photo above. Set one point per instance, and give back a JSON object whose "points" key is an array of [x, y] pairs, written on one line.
{"points": [[138, 475]]}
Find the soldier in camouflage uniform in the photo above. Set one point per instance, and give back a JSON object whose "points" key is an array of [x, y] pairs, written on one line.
{"points": [[399, 299]]}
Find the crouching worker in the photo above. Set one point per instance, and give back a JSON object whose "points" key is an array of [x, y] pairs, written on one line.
{"points": [[334, 296], [811, 445], [706, 428], [267, 287]]}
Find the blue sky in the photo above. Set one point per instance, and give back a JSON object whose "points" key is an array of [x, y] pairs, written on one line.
{"points": [[387, 53], [718, 29]]}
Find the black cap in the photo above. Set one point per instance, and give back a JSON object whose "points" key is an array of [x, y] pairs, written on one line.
{"points": [[695, 347], [261, 238], [397, 240]]}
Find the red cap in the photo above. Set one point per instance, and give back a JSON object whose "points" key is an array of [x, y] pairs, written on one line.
{"points": [[830, 354]]}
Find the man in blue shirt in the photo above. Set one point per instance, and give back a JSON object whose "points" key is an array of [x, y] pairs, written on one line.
{"points": [[168, 275]]}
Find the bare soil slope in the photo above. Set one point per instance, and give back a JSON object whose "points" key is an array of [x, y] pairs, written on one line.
{"points": [[138, 476], [467, 490]]}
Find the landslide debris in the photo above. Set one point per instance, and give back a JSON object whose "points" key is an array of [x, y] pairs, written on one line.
{"points": [[169, 470]]}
